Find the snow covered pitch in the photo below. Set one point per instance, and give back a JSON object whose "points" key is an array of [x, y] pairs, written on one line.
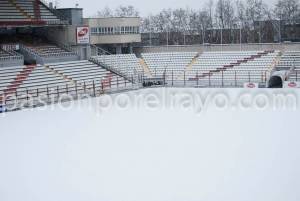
{"points": [[155, 145]]}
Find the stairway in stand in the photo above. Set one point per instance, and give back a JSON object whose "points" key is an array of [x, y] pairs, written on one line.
{"points": [[37, 10], [24, 13], [146, 69], [106, 82], [20, 78]]}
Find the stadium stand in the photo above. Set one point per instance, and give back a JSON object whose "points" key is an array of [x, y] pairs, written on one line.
{"points": [[62, 77], [47, 53], [27, 12], [41, 78], [291, 61], [8, 75], [86, 72], [11, 78], [10, 58], [126, 64], [228, 68], [160, 63]]}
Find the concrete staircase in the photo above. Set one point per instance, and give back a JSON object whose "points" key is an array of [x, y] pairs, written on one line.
{"points": [[24, 13], [106, 82], [37, 9], [145, 68], [63, 76], [189, 67], [20, 78], [194, 60]]}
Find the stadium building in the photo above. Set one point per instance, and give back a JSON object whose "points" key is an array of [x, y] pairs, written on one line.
{"points": [[118, 35], [47, 52]]}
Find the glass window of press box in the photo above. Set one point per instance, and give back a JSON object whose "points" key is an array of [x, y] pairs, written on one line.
{"points": [[115, 30]]}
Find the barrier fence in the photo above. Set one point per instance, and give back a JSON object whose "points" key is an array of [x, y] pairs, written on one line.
{"points": [[34, 97], [206, 79], [28, 98]]}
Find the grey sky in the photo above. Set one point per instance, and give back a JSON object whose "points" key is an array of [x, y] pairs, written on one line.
{"points": [[145, 7]]}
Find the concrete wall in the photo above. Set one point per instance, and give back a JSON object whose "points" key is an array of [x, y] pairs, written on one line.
{"points": [[115, 39], [12, 62], [75, 15], [63, 35], [231, 47], [113, 21]]}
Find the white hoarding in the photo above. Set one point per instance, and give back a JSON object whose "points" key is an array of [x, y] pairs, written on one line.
{"points": [[291, 84], [251, 85], [83, 35]]}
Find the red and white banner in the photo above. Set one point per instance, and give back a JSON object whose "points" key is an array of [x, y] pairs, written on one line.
{"points": [[251, 85], [291, 84], [83, 35]]}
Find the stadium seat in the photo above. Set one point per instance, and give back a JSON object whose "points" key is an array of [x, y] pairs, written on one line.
{"points": [[26, 12], [175, 62], [86, 72], [127, 64], [290, 61]]}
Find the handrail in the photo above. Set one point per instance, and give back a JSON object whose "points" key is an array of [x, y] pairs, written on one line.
{"points": [[61, 16], [24, 97], [100, 50], [12, 54], [112, 69]]}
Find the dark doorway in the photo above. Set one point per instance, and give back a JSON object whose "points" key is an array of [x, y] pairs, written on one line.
{"points": [[275, 82]]}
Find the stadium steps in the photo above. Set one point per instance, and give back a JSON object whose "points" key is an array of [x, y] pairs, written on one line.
{"points": [[145, 67], [24, 13], [194, 60], [20, 78], [189, 67], [106, 82], [65, 77], [37, 9], [276, 61]]}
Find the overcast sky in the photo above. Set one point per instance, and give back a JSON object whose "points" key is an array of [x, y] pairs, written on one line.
{"points": [[145, 7]]}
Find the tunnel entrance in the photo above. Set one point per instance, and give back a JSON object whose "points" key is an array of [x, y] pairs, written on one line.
{"points": [[275, 82]]}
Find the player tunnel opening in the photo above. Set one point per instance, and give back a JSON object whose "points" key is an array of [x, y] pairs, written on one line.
{"points": [[275, 82]]}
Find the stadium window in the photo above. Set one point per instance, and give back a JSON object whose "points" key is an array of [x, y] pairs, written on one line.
{"points": [[94, 30], [117, 30]]}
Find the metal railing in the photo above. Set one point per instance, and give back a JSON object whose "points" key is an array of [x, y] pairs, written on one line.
{"points": [[61, 16], [28, 98], [97, 51], [129, 76], [34, 97], [221, 79], [12, 55], [115, 63], [11, 58]]}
